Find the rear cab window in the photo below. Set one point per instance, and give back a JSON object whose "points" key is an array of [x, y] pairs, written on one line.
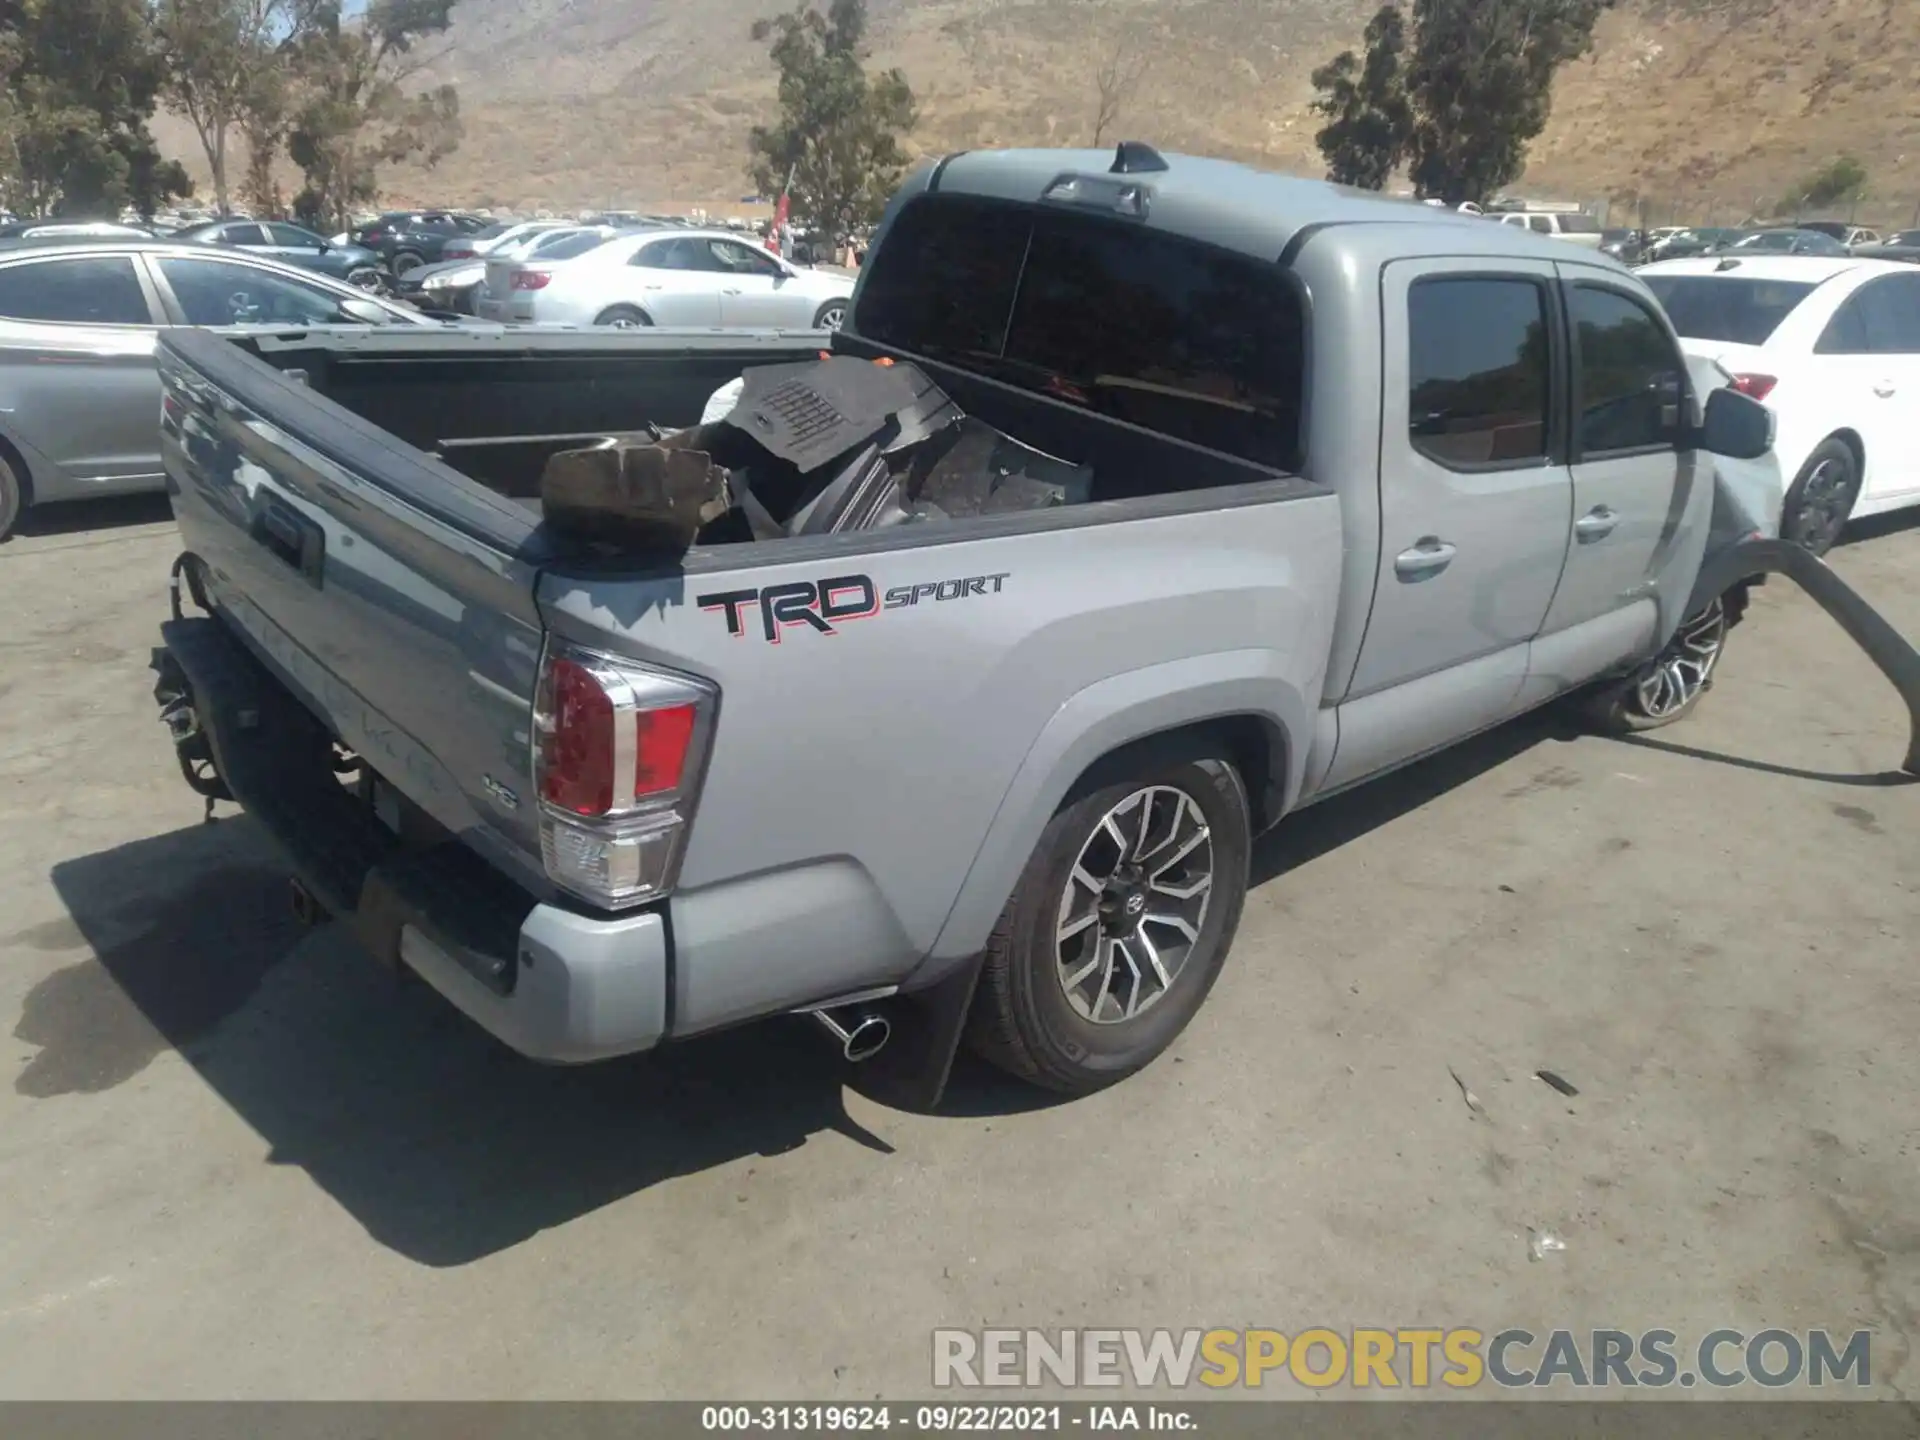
{"points": [[1169, 334]]}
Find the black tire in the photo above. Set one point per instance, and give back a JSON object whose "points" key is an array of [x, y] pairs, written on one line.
{"points": [[405, 262], [624, 317], [831, 316], [1821, 498], [1669, 687], [13, 498], [1023, 1019]]}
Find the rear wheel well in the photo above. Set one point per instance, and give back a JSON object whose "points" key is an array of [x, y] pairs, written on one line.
{"points": [[1254, 745]]}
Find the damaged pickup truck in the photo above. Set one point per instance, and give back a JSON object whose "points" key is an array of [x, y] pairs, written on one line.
{"points": [[940, 688]]}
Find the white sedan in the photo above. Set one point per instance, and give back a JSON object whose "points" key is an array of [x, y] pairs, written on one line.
{"points": [[691, 278], [1832, 346]]}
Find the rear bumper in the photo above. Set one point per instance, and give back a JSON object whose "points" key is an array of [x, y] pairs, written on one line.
{"points": [[550, 982]]}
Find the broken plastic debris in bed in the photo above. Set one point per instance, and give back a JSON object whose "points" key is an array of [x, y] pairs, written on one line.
{"points": [[819, 448]]}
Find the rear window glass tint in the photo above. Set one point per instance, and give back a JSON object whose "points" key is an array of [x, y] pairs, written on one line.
{"points": [[1177, 337], [1727, 308], [571, 247]]}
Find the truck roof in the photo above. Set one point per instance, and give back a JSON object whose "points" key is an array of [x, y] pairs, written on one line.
{"points": [[1219, 202]]}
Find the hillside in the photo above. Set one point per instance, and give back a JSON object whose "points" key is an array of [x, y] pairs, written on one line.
{"points": [[1688, 103]]}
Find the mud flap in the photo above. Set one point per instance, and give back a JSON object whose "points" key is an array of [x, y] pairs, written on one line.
{"points": [[1886, 647], [911, 1073]]}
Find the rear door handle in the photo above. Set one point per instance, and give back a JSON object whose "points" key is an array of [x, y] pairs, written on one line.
{"points": [[1429, 556], [1596, 524], [729, 292]]}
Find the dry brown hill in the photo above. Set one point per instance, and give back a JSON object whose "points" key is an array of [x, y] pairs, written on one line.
{"points": [[1690, 103]]}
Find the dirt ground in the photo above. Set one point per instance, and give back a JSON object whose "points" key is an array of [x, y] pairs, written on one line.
{"points": [[238, 1160]]}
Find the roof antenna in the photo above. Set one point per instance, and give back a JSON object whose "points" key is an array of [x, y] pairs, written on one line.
{"points": [[1133, 157]]}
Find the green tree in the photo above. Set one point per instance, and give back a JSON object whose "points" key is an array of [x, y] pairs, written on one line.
{"points": [[1369, 122], [223, 64], [1838, 182], [80, 80], [1480, 81], [355, 110], [839, 131]]}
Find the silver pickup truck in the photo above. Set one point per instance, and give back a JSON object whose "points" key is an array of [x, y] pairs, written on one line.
{"points": [[1304, 485]]}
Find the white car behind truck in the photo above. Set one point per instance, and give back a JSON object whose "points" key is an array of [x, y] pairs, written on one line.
{"points": [[1832, 347]]}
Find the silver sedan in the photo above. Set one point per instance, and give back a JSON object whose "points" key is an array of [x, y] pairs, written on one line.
{"points": [[79, 398]]}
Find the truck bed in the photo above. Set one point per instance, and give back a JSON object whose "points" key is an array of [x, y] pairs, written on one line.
{"points": [[495, 407]]}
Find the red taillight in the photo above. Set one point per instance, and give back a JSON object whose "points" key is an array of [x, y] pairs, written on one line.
{"points": [[577, 740], [457, 252], [1756, 387], [661, 741], [531, 279], [617, 752], [372, 237]]}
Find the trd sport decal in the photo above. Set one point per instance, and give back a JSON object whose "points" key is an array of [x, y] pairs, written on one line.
{"points": [[821, 605]]}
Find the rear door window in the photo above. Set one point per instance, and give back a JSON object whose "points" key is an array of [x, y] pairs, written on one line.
{"points": [[83, 290], [1177, 337], [1480, 371]]}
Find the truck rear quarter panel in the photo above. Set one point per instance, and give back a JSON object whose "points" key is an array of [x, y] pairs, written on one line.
{"points": [[905, 747]]}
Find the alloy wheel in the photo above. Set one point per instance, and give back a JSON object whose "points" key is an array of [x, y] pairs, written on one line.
{"points": [[1134, 905], [1825, 502], [1685, 668]]}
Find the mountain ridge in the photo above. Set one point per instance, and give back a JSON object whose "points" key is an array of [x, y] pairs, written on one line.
{"points": [[1684, 106]]}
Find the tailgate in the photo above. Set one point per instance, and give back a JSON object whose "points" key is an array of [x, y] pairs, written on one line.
{"points": [[392, 594]]}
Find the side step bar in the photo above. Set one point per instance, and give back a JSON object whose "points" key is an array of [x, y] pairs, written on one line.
{"points": [[1884, 645]]}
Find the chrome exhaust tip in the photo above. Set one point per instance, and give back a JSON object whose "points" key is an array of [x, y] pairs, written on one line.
{"points": [[862, 1034]]}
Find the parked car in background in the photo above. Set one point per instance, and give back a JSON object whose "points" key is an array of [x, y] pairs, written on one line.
{"points": [[1904, 246], [1626, 246], [1684, 244], [667, 277], [293, 245], [498, 236], [408, 239], [1782, 240], [1569, 225], [1845, 231], [453, 286], [40, 231], [78, 393], [1832, 347]]}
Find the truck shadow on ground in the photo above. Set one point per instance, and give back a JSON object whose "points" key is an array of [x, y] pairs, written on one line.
{"points": [[443, 1144]]}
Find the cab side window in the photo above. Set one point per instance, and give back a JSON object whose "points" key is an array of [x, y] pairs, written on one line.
{"points": [[1631, 383], [1480, 367]]}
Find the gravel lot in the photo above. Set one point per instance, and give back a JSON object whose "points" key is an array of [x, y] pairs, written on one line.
{"points": [[238, 1160]]}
